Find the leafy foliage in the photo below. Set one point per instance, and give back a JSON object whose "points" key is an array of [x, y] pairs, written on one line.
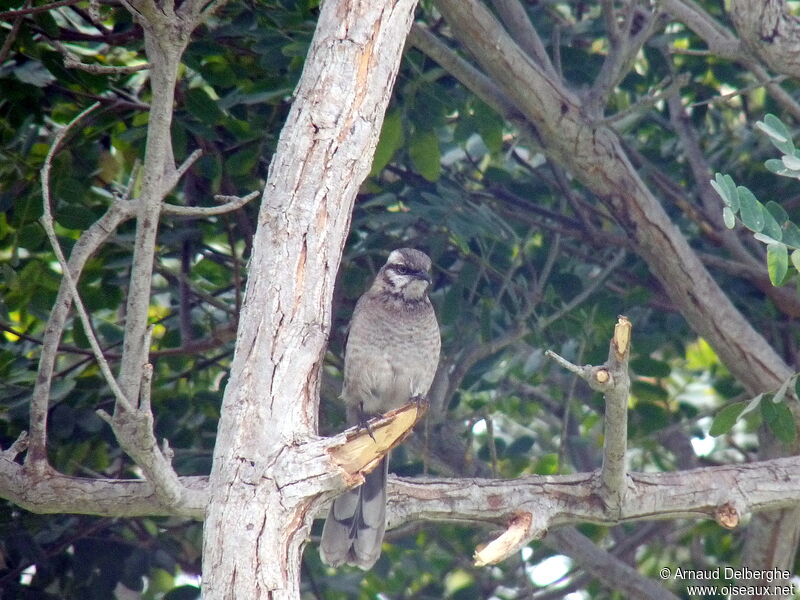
{"points": [[770, 223], [521, 252]]}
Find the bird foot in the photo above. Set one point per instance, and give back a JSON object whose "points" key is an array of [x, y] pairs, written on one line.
{"points": [[363, 423], [420, 400]]}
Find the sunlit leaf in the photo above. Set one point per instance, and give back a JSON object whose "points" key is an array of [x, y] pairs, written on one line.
{"points": [[779, 419], [777, 263], [726, 418], [751, 210], [390, 140], [425, 154]]}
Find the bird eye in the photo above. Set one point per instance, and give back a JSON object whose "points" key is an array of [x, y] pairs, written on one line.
{"points": [[402, 269]]}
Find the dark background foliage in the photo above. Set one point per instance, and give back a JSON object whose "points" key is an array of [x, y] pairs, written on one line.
{"points": [[526, 259]]}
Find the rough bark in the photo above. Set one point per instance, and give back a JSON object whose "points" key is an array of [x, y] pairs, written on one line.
{"points": [[255, 528], [770, 32], [557, 499]]}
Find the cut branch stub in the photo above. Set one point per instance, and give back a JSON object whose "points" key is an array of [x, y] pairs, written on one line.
{"points": [[366, 446], [521, 529], [727, 516], [621, 342], [613, 381]]}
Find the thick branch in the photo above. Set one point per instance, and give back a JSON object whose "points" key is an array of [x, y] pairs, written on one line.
{"points": [[165, 41], [719, 39], [514, 17], [725, 493], [50, 493], [595, 155], [613, 573], [323, 154], [770, 32], [724, 44]]}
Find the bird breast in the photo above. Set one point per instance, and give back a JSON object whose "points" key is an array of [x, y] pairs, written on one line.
{"points": [[391, 355]]}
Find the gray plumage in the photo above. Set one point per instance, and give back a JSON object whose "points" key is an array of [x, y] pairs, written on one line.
{"points": [[391, 356]]}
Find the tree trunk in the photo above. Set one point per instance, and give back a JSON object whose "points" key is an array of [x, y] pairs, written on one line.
{"points": [[256, 525]]}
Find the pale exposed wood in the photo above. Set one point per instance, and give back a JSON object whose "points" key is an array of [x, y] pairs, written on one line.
{"points": [[366, 446]]}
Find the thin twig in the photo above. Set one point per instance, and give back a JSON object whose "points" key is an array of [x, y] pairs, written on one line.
{"points": [[172, 180], [586, 292], [21, 12], [566, 417], [61, 348], [12, 35], [519, 25], [232, 203], [610, 18], [71, 62], [18, 446], [671, 88], [88, 243], [47, 222], [748, 88]]}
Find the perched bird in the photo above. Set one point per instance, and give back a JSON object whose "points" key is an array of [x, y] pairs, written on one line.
{"points": [[391, 356]]}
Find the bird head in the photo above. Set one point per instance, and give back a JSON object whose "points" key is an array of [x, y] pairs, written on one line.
{"points": [[406, 273]]}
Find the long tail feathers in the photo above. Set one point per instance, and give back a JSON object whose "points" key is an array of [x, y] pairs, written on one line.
{"points": [[353, 531]]}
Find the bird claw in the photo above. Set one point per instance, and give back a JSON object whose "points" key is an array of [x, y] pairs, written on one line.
{"points": [[421, 400], [363, 423]]}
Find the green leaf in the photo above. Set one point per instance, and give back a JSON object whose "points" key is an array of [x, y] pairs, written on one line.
{"points": [[237, 97], [751, 211], [752, 405], [781, 393], [732, 192], [547, 465], [75, 217], [791, 162], [201, 106], [726, 418], [779, 419], [184, 592], [772, 227], [776, 166], [520, 446], [391, 139], [778, 133], [489, 125], [791, 234], [243, 161], [795, 256], [728, 193], [728, 217], [34, 73], [765, 239], [776, 210], [650, 367], [425, 154], [31, 236], [777, 263]]}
